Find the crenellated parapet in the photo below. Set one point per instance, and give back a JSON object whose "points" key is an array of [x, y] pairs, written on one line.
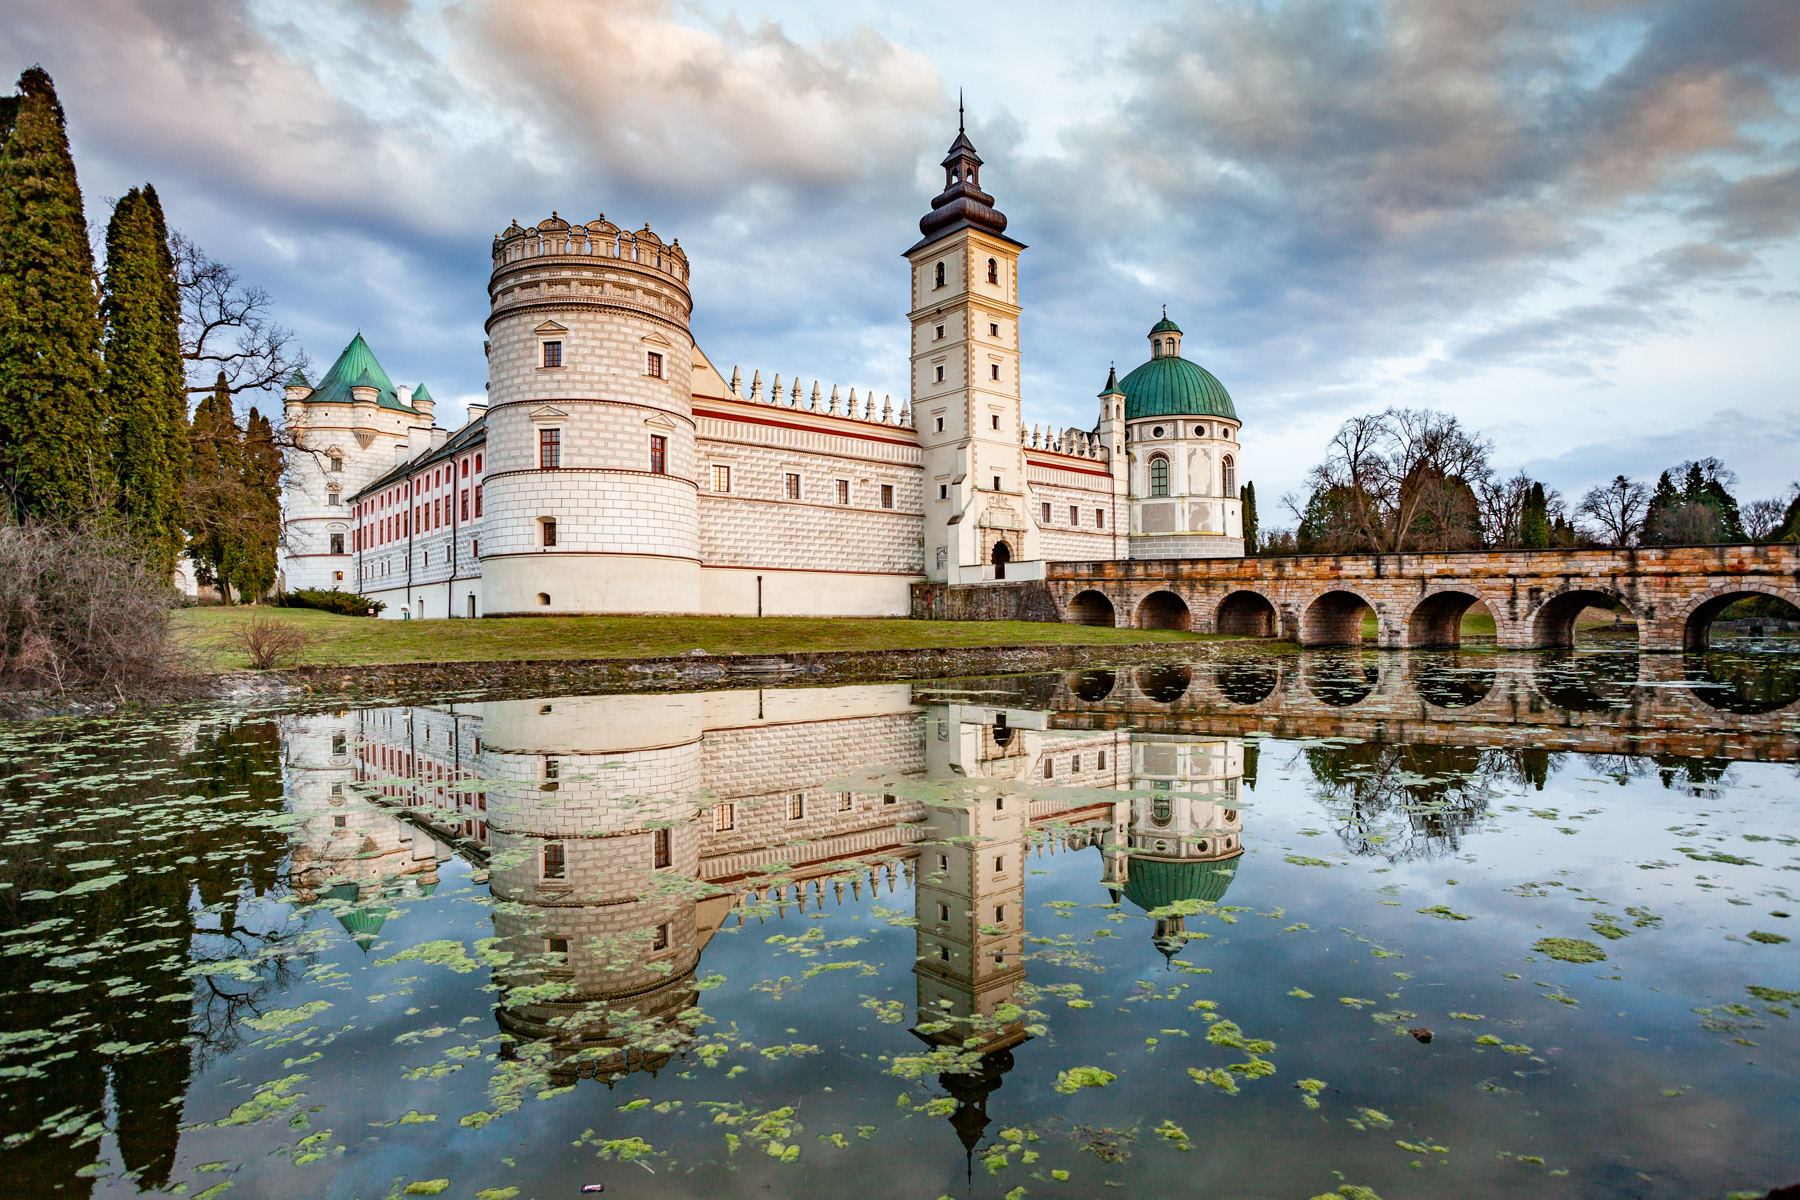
{"points": [[557, 238], [836, 405]]}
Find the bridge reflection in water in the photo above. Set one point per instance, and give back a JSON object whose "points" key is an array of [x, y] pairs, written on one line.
{"points": [[622, 833]]}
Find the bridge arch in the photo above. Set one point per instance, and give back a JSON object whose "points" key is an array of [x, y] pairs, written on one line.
{"points": [[1553, 620], [1696, 618], [1247, 613], [1334, 618], [1451, 681], [1246, 683], [1091, 607], [1340, 678], [1091, 687], [1164, 685], [1436, 620], [1164, 610]]}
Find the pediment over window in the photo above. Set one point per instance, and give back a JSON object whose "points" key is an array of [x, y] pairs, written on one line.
{"points": [[548, 413], [655, 339], [551, 327], [661, 422]]}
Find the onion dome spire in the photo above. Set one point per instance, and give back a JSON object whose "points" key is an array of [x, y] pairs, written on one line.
{"points": [[962, 202]]}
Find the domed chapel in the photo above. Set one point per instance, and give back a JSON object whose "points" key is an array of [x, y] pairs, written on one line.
{"points": [[614, 468]]}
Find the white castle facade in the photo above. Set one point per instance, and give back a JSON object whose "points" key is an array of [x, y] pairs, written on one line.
{"points": [[614, 469]]}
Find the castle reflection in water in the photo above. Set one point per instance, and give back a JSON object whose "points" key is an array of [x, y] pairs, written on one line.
{"points": [[620, 833]]}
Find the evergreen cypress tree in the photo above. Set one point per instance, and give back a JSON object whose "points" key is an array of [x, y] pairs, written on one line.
{"points": [[1248, 495], [215, 497], [53, 452], [146, 389], [262, 509], [1534, 522], [1663, 502], [1790, 523]]}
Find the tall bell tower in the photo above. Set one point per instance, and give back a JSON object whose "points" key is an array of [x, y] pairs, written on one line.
{"points": [[965, 379]]}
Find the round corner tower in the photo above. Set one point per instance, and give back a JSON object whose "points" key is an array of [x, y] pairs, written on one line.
{"points": [[591, 501]]}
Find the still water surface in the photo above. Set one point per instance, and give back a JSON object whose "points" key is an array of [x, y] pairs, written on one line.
{"points": [[1432, 925]]}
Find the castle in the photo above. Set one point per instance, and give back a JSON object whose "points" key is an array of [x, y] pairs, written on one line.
{"points": [[615, 469]]}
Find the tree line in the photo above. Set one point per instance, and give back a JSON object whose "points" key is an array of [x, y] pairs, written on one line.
{"points": [[98, 368], [1417, 480]]}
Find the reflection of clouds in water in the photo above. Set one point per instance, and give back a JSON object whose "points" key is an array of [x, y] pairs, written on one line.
{"points": [[1406, 802]]}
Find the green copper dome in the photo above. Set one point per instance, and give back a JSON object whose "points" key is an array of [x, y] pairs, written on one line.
{"points": [[1165, 326], [1171, 386], [1152, 883]]}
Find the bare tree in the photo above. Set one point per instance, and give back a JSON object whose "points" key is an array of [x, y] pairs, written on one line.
{"points": [[1616, 509], [1763, 517], [226, 326], [1402, 474]]}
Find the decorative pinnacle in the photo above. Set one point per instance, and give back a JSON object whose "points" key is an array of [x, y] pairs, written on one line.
{"points": [[959, 110]]}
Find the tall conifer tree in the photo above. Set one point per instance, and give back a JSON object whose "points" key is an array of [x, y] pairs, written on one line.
{"points": [[262, 507], [146, 390], [1534, 522], [215, 492], [53, 452], [1248, 495]]}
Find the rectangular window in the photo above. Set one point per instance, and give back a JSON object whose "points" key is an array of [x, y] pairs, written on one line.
{"points": [[943, 862], [943, 911], [1074, 515], [940, 334], [999, 864], [843, 491], [845, 802], [997, 483], [1102, 763], [478, 499], [337, 543], [663, 856], [724, 818], [887, 495], [465, 504], [793, 486], [940, 424], [993, 329], [553, 861], [338, 822], [337, 464], [1049, 768], [660, 939], [556, 945], [797, 806], [994, 419], [943, 953], [478, 464], [993, 370], [1046, 512], [943, 491], [465, 468], [999, 914], [549, 524], [553, 354], [549, 449], [889, 799], [940, 375], [1099, 518], [659, 454], [474, 552], [721, 478], [333, 498], [653, 364]]}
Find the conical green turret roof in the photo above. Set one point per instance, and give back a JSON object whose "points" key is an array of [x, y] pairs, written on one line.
{"points": [[356, 367]]}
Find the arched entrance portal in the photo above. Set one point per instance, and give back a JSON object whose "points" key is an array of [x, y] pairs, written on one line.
{"points": [[1437, 621], [1091, 608], [1002, 556], [1247, 614], [1696, 632], [1553, 625], [1334, 619], [1164, 610]]}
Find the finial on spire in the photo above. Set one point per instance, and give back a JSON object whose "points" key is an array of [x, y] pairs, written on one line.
{"points": [[959, 110]]}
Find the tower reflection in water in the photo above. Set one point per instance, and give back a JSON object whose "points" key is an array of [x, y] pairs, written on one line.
{"points": [[621, 833]]}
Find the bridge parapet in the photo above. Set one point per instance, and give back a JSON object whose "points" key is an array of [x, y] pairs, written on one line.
{"points": [[1419, 600]]}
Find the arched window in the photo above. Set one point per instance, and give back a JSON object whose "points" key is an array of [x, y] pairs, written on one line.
{"points": [[993, 271], [1156, 348], [940, 274], [1159, 476], [1230, 476]]}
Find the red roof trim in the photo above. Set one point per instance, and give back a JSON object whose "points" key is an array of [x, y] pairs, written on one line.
{"points": [[1036, 458], [731, 416]]}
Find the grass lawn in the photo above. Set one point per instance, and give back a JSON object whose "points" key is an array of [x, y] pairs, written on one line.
{"points": [[211, 635]]}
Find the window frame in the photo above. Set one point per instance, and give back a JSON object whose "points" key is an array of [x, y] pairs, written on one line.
{"points": [[1159, 474], [887, 495], [791, 486], [547, 533], [553, 862], [653, 364], [843, 492], [659, 454], [550, 448], [552, 357], [721, 478]]}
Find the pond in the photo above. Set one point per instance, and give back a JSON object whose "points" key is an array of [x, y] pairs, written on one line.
{"points": [[1250, 925]]}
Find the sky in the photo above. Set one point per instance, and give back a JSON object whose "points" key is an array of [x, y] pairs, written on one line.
{"points": [[1573, 223]]}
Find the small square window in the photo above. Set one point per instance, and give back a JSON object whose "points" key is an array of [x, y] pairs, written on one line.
{"points": [[556, 945], [888, 799], [337, 822], [553, 861], [653, 364], [887, 495], [553, 354], [721, 477], [793, 486], [796, 806], [843, 491], [337, 464]]}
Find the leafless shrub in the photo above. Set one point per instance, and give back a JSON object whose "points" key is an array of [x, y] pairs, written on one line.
{"points": [[81, 607], [269, 640]]}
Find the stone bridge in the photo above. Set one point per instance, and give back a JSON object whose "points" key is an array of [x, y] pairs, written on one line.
{"points": [[1609, 704], [1419, 600]]}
